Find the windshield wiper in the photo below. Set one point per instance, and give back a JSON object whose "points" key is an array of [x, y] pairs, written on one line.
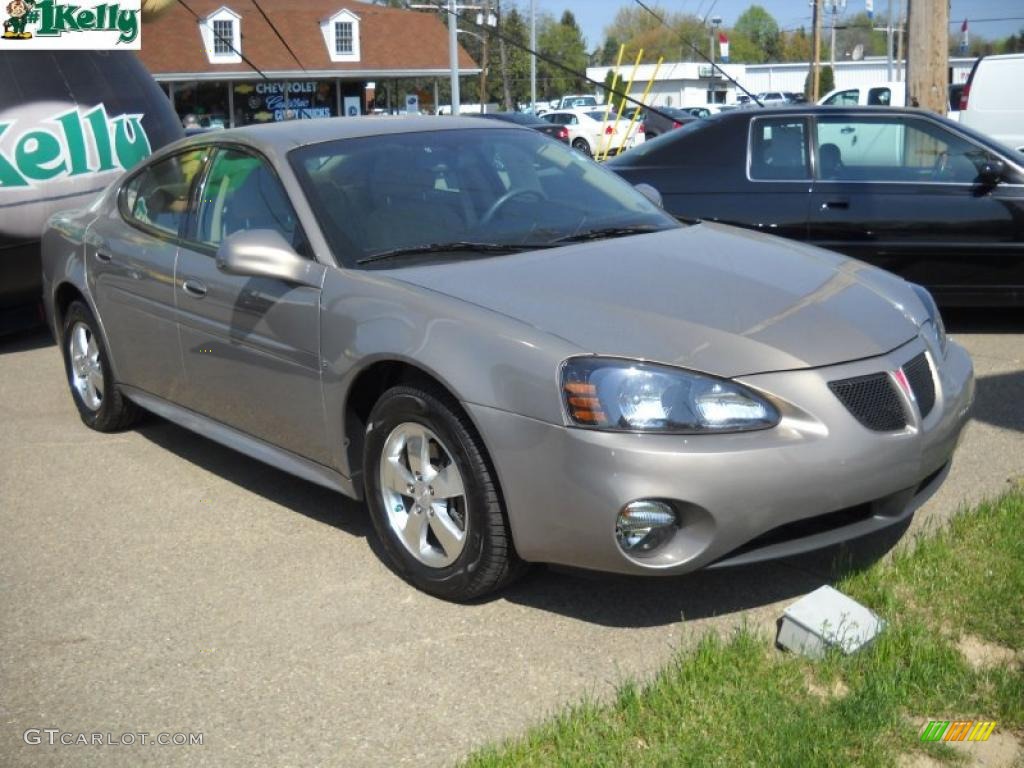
{"points": [[453, 247], [605, 232]]}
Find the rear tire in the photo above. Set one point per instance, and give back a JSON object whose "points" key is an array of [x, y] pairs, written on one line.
{"points": [[90, 378], [433, 497], [581, 145]]}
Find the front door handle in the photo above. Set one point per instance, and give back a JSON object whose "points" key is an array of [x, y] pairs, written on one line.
{"points": [[839, 204], [194, 288], [101, 256], [847, 130]]}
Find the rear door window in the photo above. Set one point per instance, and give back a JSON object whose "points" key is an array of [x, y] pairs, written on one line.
{"points": [[779, 149], [158, 197]]}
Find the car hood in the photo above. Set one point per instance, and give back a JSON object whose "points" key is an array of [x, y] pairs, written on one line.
{"points": [[707, 297]]}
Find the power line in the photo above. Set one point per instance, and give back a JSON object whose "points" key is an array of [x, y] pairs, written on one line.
{"points": [[226, 41], [698, 52], [549, 60], [278, 33]]}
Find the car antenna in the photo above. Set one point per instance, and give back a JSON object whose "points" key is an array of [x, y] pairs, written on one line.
{"points": [[698, 51], [553, 62]]}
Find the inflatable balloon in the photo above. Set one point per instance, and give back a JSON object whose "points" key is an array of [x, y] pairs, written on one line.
{"points": [[70, 122]]}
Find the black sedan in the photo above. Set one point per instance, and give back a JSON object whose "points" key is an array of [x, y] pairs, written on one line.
{"points": [[666, 119], [559, 132], [904, 189]]}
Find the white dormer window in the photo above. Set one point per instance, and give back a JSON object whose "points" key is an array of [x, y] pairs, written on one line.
{"points": [[343, 38], [222, 36], [341, 35]]}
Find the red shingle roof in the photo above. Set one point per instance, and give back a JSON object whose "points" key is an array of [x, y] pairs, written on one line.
{"points": [[391, 39]]}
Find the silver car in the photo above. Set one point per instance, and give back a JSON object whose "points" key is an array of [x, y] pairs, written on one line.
{"points": [[511, 354]]}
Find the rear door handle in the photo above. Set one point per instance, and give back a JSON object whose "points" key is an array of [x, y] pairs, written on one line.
{"points": [[194, 288], [847, 129], [835, 205], [101, 256]]}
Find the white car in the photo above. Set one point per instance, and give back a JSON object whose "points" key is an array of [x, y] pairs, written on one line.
{"points": [[576, 101], [890, 94], [993, 100], [590, 133]]}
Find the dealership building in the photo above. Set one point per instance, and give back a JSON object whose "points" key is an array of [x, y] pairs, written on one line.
{"points": [[318, 58]]}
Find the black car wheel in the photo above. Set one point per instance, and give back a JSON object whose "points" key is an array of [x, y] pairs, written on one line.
{"points": [[93, 387], [583, 146], [433, 497]]}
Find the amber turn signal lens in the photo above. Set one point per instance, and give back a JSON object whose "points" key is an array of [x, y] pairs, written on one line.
{"points": [[584, 406]]}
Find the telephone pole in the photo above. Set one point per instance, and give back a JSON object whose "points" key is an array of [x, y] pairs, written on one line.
{"points": [[816, 45], [927, 54]]}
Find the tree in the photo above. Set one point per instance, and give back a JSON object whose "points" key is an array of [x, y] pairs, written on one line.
{"points": [[758, 27], [796, 46], [858, 30], [562, 41], [826, 82], [514, 60], [609, 52], [638, 29]]}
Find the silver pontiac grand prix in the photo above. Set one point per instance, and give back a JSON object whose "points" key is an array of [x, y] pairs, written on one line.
{"points": [[510, 353]]}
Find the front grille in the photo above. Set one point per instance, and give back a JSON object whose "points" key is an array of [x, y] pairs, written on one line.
{"points": [[872, 400], [919, 376]]}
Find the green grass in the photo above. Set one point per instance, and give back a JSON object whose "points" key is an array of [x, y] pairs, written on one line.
{"points": [[737, 701]]}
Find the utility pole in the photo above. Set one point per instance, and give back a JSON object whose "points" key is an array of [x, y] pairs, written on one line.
{"points": [[816, 45], [484, 20], [927, 54], [533, 56], [453, 53], [900, 22]]}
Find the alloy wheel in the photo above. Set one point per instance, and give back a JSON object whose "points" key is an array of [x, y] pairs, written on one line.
{"points": [[423, 495], [86, 369]]}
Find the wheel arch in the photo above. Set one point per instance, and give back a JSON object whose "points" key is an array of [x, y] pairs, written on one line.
{"points": [[372, 381]]}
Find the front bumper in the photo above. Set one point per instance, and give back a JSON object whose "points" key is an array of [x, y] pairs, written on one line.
{"points": [[740, 497]]}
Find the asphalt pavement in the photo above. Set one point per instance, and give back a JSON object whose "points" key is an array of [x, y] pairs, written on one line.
{"points": [[155, 583]]}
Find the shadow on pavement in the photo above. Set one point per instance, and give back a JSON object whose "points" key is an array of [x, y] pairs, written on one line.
{"points": [[611, 600], [25, 341], [984, 320], [313, 501], [998, 400], [634, 601]]}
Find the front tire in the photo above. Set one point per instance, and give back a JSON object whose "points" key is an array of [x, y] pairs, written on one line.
{"points": [[93, 386], [433, 497]]}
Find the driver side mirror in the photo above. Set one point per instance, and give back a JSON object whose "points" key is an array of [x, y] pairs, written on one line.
{"points": [[265, 253], [650, 193], [991, 171]]}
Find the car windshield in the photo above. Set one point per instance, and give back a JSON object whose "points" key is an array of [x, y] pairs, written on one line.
{"points": [[410, 194]]}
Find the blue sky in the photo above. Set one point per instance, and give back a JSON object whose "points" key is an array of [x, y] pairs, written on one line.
{"points": [[594, 15]]}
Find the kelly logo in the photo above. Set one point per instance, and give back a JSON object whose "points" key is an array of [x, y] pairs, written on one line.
{"points": [[70, 144], [957, 730], [87, 25]]}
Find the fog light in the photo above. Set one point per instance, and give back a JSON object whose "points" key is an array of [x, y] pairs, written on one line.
{"points": [[644, 525]]}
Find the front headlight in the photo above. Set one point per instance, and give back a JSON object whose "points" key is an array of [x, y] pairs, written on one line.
{"points": [[629, 396], [934, 325]]}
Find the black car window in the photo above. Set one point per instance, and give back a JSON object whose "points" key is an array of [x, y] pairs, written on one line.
{"points": [[158, 196], [241, 193], [778, 149], [894, 149], [879, 97]]}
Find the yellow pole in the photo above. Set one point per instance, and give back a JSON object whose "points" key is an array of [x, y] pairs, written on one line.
{"points": [[643, 100], [615, 81], [622, 105]]}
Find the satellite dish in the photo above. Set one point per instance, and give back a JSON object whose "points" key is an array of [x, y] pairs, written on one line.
{"points": [[858, 52]]}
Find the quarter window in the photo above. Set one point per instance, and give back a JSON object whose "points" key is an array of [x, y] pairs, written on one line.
{"points": [[898, 150], [158, 197], [242, 193], [778, 150]]}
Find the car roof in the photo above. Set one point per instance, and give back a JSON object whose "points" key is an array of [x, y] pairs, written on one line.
{"points": [[281, 137]]}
